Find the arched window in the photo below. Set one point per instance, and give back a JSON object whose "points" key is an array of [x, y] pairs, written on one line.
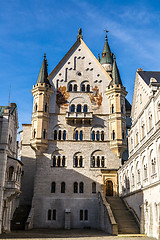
{"points": [[64, 135], [76, 135], [72, 108], [85, 108], [102, 136], [81, 187], [88, 88], [112, 109], [70, 87], [81, 135], [93, 135], [63, 187], [86, 215], [75, 87], [79, 108], [54, 214], [49, 214], [55, 134], [81, 161], [53, 187], [97, 136], [75, 187], [93, 161], [98, 161], [63, 161], [83, 88], [93, 187], [59, 135], [76, 161], [10, 173], [46, 107], [113, 135], [145, 171]]}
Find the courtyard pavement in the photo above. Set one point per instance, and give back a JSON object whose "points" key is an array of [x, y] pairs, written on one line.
{"points": [[74, 234]]}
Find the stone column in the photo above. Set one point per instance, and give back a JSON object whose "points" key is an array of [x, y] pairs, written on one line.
{"points": [[142, 220]]}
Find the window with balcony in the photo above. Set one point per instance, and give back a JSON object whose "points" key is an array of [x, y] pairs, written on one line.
{"points": [[85, 108], [79, 108]]}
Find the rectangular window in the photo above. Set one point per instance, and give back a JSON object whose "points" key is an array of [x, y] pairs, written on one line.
{"points": [[54, 214], [86, 215], [81, 215]]}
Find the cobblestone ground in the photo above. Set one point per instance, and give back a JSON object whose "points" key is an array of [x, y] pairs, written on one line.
{"points": [[68, 234]]}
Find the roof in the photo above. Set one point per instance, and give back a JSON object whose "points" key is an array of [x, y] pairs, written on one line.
{"points": [[106, 54], [43, 74], [115, 73], [146, 75], [128, 105]]}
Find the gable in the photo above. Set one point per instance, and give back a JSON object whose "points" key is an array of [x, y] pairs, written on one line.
{"points": [[140, 96]]}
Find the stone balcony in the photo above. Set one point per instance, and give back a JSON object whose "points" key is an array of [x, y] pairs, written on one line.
{"points": [[12, 185], [79, 117]]}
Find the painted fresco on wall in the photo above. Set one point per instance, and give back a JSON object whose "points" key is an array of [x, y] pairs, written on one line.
{"points": [[62, 96], [96, 97]]}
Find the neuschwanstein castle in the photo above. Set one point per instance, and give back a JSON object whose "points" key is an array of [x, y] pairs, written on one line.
{"points": [[75, 171]]}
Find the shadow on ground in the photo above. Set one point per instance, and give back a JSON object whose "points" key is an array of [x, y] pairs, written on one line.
{"points": [[54, 233]]}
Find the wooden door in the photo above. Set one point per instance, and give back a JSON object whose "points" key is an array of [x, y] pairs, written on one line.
{"points": [[109, 188]]}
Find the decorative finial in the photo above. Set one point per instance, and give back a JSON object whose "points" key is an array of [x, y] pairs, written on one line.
{"points": [[44, 56], [80, 34], [106, 33]]}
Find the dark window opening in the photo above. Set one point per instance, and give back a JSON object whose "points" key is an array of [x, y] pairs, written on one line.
{"points": [[88, 88], [102, 136], [81, 215], [76, 161], [98, 161], [76, 135], [10, 175], [54, 161], [59, 161], [49, 214], [93, 135], [54, 214], [63, 187], [112, 108], [45, 107], [86, 215], [81, 161], [93, 187], [55, 134], [70, 88], [81, 135], [59, 135], [97, 136], [85, 108], [113, 135], [64, 135], [72, 108], [53, 187], [81, 187], [75, 87], [44, 133], [93, 161], [75, 187], [102, 161], [63, 161], [79, 108], [83, 88]]}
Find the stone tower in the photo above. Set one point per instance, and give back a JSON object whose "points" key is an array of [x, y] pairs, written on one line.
{"points": [[116, 93], [41, 91]]}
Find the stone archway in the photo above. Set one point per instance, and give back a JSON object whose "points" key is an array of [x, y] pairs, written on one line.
{"points": [[109, 188]]}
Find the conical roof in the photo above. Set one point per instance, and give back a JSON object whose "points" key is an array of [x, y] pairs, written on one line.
{"points": [[43, 74], [116, 79], [106, 54]]}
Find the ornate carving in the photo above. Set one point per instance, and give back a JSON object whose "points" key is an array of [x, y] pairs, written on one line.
{"points": [[62, 96], [96, 97]]}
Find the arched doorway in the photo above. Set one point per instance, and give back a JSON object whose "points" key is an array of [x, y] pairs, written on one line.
{"points": [[109, 188]]}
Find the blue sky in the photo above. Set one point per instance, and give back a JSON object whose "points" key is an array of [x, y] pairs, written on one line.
{"points": [[31, 27]]}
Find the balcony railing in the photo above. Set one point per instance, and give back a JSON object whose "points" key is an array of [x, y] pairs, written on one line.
{"points": [[79, 116], [12, 185]]}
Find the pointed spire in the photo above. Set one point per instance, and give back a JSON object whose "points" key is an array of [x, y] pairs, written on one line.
{"points": [[43, 74], [106, 54], [80, 34], [116, 79], [99, 57]]}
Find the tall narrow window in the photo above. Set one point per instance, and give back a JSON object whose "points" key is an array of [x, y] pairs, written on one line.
{"points": [[53, 187], [54, 214], [64, 135], [44, 133], [59, 135], [113, 135], [123, 135], [63, 187], [112, 108], [98, 161], [63, 161], [93, 161], [93, 135], [88, 88], [81, 135], [34, 133], [72, 108], [86, 215], [70, 88], [81, 187], [85, 108], [55, 134], [81, 161], [75, 187], [102, 161], [54, 161], [36, 107], [59, 161], [83, 88], [102, 136], [76, 135], [46, 107], [79, 108], [81, 215], [10, 174], [76, 161], [49, 214], [75, 87], [122, 108], [97, 136], [93, 187]]}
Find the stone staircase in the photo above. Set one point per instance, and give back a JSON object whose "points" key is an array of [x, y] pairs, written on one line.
{"points": [[124, 218], [20, 217]]}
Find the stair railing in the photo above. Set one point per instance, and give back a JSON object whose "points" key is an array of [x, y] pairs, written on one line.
{"points": [[132, 211], [29, 222], [106, 205]]}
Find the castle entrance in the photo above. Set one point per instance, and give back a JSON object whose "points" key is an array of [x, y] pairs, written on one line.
{"points": [[109, 188]]}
